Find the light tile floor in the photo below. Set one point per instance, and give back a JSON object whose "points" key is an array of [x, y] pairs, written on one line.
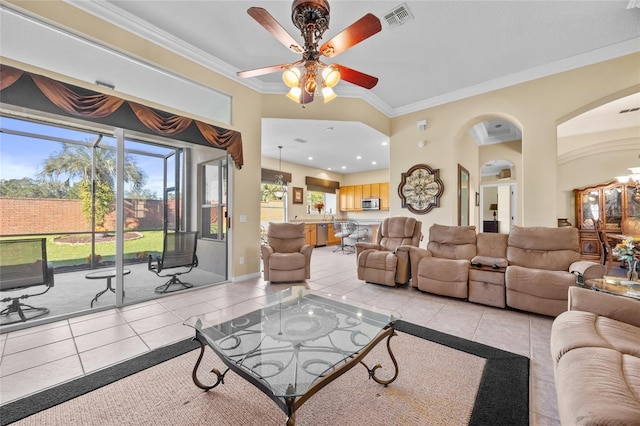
{"points": [[43, 356]]}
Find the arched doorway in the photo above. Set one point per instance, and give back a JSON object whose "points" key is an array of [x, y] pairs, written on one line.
{"points": [[499, 160]]}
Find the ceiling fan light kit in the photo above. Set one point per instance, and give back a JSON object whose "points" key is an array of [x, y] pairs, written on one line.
{"points": [[307, 75]]}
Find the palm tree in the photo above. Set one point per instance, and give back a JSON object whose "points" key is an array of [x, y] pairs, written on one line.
{"points": [[74, 163]]}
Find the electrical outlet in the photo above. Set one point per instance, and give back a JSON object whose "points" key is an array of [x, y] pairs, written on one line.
{"points": [[241, 260]]}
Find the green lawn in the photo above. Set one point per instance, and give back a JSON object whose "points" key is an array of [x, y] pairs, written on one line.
{"points": [[76, 254]]}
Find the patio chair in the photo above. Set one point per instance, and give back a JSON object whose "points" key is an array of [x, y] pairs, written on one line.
{"points": [[23, 264], [179, 251]]}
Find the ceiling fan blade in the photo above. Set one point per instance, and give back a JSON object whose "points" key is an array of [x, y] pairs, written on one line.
{"points": [[356, 77], [265, 19], [262, 71], [360, 30]]}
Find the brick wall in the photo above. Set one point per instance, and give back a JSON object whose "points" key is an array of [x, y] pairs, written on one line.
{"points": [[29, 216]]}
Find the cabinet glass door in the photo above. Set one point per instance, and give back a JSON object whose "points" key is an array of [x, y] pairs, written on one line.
{"points": [[632, 221], [590, 208], [613, 207]]}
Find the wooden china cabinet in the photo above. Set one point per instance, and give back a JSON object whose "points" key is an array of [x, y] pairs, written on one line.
{"points": [[616, 204]]}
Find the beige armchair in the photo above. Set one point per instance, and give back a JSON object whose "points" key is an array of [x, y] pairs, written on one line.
{"points": [[286, 257], [379, 262], [542, 264], [443, 268]]}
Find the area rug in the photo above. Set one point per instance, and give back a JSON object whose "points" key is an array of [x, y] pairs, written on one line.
{"points": [[443, 380]]}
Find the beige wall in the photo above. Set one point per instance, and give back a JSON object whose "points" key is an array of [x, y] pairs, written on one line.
{"points": [[536, 107]]}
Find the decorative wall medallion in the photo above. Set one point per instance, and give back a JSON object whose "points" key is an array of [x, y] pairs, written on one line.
{"points": [[420, 189]]}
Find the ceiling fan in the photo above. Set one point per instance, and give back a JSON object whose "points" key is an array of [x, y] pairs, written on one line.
{"points": [[311, 17]]}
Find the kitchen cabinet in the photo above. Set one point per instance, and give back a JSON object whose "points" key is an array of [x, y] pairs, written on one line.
{"points": [[331, 237], [346, 199], [375, 190], [357, 198], [366, 190], [384, 196], [310, 234], [351, 196]]}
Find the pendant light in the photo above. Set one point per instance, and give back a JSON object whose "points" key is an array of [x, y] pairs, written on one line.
{"points": [[280, 189]]}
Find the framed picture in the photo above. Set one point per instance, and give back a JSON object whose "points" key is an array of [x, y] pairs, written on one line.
{"points": [[297, 195], [477, 199]]}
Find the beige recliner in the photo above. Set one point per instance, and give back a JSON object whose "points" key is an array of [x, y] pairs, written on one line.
{"points": [[542, 266], [379, 262], [286, 257], [443, 268]]}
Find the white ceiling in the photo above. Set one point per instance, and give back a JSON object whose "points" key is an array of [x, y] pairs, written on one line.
{"points": [[450, 50]]}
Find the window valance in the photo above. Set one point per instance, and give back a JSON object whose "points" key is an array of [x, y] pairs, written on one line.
{"points": [[321, 185], [112, 110], [269, 176]]}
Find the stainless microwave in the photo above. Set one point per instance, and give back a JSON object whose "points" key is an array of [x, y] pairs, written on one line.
{"points": [[371, 204]]}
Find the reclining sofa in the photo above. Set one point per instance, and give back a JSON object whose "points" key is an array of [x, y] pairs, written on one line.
{"points": [[531, 269]]}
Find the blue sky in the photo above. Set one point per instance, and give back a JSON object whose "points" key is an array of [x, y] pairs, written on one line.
{"points": [[22, 156]]}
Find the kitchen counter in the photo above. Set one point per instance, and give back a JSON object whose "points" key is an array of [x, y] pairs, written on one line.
{"points": [[367, 230]]}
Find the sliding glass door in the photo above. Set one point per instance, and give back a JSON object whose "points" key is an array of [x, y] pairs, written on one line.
{"points": [[104, 200]]}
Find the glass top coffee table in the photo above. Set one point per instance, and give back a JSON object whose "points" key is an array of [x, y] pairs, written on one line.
{"points": [[299, 342], [615, 285]]}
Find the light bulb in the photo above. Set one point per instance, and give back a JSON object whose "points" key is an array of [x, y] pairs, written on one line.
{"points": [[310, 85], [331, 76], [328, 94], [294, 94], [291, 77]]}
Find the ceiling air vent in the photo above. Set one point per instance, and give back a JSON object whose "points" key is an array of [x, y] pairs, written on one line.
{"points": [[300, 140], [629, 110], [398, 16]]}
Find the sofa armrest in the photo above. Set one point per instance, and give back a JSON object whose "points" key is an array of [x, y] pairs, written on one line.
{"points": [[588, 270], [362, 246], [501, 262], [619, 308], [415, 255], [403, 267], [306, 250]]}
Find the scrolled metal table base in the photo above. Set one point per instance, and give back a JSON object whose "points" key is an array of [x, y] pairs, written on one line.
{"points": [[194, 374], [289, 405]]}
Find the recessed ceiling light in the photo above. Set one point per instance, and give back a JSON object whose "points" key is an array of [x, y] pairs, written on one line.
{"points": [[374, 162], [385, 143], [309, 158], [358, 157], [328, 168], [344, 167]]}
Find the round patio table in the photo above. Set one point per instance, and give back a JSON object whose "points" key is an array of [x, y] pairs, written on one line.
{"points": [[105, 274]]}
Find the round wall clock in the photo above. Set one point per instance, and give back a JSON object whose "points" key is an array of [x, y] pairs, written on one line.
{"points": [[420, 189]]}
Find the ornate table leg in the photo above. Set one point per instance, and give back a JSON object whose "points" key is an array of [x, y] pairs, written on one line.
{"points": [[220, 376], [291, 414], [372, 371]]}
